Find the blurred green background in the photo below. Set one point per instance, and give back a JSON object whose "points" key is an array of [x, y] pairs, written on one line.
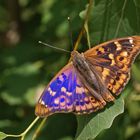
{"points": [[26, 67]]}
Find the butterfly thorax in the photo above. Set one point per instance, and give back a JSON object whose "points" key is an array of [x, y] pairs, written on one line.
{"points": [[79, 62]]}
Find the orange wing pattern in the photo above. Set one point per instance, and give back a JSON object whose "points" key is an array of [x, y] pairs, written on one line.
{"points": [[113, 60]]}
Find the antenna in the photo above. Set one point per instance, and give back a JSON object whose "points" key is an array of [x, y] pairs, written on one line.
{"points": [[50, 46], [70, 32]]}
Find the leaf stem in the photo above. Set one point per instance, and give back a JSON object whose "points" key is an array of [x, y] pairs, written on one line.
{"points": [[83, 27], [22, 135], [88, 36], [39, 128]]}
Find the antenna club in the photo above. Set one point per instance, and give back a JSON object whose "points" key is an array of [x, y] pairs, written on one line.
{"points": [[40, 42], [68, 18]]}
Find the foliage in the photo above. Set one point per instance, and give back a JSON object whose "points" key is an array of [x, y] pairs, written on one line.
{"points": [[2, 135], [91, 125], [26, 67]]}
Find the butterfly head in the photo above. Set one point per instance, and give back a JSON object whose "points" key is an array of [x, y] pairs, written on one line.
{"points": [[74, 53], [77, 58]]}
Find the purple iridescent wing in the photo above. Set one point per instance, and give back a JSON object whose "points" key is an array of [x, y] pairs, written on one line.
{"points": [[65, 93]]}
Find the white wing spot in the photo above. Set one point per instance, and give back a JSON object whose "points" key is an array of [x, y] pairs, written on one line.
{"points": [[111, 56], [42, 102], [53, 93], [63, 89], [131, 40], [124, 54], [56, 101], [69, 93], [119, 47]]}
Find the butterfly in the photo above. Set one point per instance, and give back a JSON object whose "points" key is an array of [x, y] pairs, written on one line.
{"points": [[91, 79]]}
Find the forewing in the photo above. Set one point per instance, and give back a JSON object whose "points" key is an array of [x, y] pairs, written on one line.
{"points": [[113, 59], [65, 93]]}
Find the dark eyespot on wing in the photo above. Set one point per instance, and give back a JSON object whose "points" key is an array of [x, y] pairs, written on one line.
{"points": [[125, 43], [111, 47]]}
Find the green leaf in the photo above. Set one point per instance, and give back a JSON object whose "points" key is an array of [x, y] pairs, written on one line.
{"points": [[89, 126], [113, 19], [5, 123], [82, 14], [135, 72], [108, 20], [3, 135]]}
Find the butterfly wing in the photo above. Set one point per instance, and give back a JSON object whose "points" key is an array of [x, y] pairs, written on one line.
{"points": [[65, 93], [113, 59]]}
